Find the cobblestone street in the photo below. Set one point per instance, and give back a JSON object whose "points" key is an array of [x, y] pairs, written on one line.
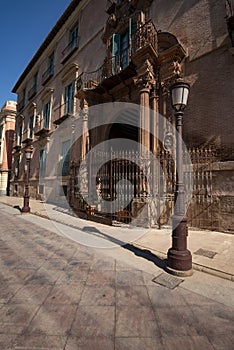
{"points": [[57, 294]]}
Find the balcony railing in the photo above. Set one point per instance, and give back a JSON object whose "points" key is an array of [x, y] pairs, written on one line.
{"points": [[27, 136], [69, 49], [41, 128], [145, 36], [47, 75], [65, 111]]}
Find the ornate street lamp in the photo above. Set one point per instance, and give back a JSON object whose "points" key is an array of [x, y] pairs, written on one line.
{"points": [[230, 19], [28, 156], [179, 257]]}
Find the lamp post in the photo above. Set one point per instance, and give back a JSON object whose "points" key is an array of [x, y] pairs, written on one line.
{"points": [[179, 260], [28, 156]]}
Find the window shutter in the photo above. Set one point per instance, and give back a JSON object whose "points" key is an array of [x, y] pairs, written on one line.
{"points": [[42, 164], [130, 31], [115, 44], [132, 37], [115, 53], [46, 115], [65, 157]]}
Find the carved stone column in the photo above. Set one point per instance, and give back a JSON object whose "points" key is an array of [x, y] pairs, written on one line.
{"points": [[155, 165], [154, 104], [144, 83], [85, 129], [84, 149], [145, 116]]}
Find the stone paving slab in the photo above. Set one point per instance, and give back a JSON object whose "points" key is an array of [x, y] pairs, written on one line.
{"points": [[76, 297], [153, 240]]}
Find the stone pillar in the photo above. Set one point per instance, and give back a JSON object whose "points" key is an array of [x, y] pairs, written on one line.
{"points": [[155, 166], [84, 183], [145, 117], [85, 129], [144, 82], [154, 99]]}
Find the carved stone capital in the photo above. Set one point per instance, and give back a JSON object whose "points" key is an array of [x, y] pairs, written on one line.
{"points": [[143, 83], [145, 76], [84, 108]]}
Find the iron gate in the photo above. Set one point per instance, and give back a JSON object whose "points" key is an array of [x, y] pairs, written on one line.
{"points": [[121, 184]]}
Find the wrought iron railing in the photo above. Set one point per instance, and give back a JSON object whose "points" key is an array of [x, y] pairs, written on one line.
{"points": [[41, 126], [145, 35]]}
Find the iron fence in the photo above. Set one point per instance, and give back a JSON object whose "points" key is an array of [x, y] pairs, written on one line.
{"points": [[126, 184]]}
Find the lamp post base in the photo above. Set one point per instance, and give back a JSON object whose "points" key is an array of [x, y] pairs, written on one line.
{"points": [[179, 263], [26, 208], [179, 273], [179, 258]]}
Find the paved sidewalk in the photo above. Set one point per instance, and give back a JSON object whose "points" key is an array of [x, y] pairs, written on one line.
{"points": [[56, 294], [213, 252]]}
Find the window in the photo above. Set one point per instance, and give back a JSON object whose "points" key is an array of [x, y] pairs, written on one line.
{"points": [[24, 95], [73, 37], [69, 98], [63, 190], [121, 48], [20, 135], [1, 132], [35, 80], [49, 71], [33, 89], [72, 43], [17, 168], [21, 102], [42, 162], [41, 189], [31, 126], [46, 115], [65, 158], [51, 64]]}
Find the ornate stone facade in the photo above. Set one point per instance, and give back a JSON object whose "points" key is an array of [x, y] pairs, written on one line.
{"points": [[130, 51]]}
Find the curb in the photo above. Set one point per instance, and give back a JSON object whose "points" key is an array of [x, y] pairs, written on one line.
{"points": [[196, 266]]}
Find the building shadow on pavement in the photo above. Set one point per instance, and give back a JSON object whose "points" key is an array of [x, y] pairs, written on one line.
{"points": [[143, 253], [147, 254]]}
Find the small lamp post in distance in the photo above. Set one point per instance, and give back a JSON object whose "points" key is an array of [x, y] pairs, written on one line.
{"points": [[28, 156], [179, 258]]}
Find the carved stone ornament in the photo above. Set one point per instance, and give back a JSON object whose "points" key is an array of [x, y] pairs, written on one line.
{"points": [[119, 13], [177, 68], [171, 72], [169, 142], [145, 76], [111, 21], [85, 108]]}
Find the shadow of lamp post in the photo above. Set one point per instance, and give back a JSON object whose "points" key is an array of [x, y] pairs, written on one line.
{"points": [[28, 156], [179, 257]]}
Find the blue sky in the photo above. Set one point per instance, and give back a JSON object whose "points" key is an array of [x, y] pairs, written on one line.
{"points": [[24, 25]]}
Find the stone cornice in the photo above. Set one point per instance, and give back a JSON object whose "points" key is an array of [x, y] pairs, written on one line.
{"points": [[68, 12]]}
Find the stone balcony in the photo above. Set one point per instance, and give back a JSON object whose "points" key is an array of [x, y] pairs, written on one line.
{"points": [[121, 66]]}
